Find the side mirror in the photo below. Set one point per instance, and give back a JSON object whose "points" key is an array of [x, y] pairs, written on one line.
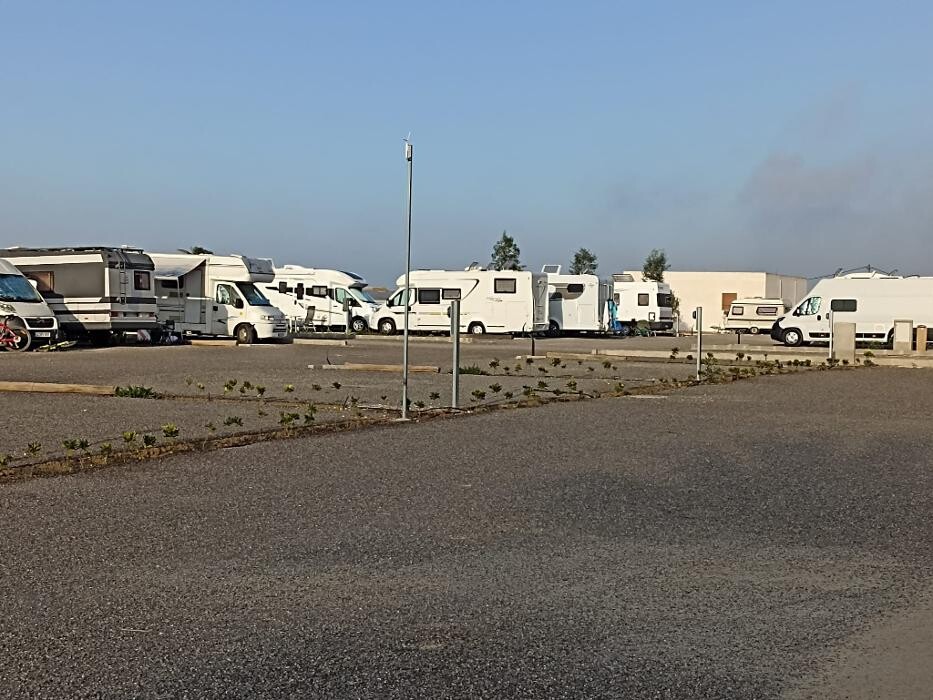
{"points": [[237, 303]]}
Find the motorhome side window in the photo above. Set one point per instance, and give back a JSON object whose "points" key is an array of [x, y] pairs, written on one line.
{"points": [[225, 294], [809, 307], [45, 281], [398, 299], [429, 296], [643, 300], [767, 311], [319, 291], [575, 289], [738, 311], [843, 305], [504, 286], [450, 294], [141, 280], [664, 299]]}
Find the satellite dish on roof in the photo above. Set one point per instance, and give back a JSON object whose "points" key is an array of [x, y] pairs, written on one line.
{"points": [[551, 269]]}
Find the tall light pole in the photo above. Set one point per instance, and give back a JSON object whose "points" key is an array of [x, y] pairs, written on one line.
{"points": [[407, 294]]}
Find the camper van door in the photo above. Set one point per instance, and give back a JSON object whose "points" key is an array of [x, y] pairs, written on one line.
{"points": [[813, 313], [224, 308]]}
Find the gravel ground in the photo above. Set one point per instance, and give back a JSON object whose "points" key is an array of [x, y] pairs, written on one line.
{"points": [[722, 542]]}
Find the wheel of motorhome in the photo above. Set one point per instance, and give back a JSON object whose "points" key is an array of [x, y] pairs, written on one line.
{"points": [[553, 329], [793, 337], [476, 329], [358, 325], [23, 340], [387, 326], [245, 334]]}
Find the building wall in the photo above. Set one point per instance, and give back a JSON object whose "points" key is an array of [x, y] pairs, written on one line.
{"points": [[713, 290]]}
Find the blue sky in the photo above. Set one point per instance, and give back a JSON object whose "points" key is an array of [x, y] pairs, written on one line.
{"points": [[793, 137]]}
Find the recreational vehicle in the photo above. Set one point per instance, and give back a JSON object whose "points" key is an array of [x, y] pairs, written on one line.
{"points": [[491, 301], [93, 291], [872, 301], [317, 298], [576, 303], [217, 295], [639, 303], [753, 315], [25, 311]]}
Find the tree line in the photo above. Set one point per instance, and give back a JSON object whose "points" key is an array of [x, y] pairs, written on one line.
{"points": [[506, 255]]}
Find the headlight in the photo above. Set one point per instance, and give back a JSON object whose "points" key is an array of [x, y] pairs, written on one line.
{"points": [[268, 318]]}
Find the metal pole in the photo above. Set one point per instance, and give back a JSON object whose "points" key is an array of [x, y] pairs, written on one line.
{"points": [[455, 338], [829, 316], [699, 313], [408, 158]]}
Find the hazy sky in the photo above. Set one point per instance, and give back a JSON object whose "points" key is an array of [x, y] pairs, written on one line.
{"points": [[792, 137]]}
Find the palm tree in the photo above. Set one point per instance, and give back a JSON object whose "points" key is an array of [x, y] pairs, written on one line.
{"points": [[196, 250]]}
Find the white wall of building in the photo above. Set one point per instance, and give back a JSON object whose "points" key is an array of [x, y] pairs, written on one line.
{"points": [[714, 290]]}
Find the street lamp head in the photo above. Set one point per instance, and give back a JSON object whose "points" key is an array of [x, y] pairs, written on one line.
{"points": [[408, 148]]}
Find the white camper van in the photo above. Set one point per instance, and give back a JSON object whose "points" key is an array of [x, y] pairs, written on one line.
{"points": [[94, 291], [25, 310], [872, 301], [640, 303], [576, 303], [753, 314], [312, 297], [217, 295], [491, 301]]}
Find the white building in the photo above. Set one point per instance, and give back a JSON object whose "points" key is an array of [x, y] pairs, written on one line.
{"points": [[715, 291]]}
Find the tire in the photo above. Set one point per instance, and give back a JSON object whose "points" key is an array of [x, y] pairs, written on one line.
{"points": [[101, 338], [553, 329], [754, 330], [476, 329], [387, 326], [625, 331], [793, 338], [24, 337], [245, 334], [358, 325]]}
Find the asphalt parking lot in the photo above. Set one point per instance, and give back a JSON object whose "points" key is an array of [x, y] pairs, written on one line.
{"points": [[757, 539]]}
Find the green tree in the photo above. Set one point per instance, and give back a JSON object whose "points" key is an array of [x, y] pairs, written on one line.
{"points": [[505, 254], [655, 266], [196, 250], [583, 263]]}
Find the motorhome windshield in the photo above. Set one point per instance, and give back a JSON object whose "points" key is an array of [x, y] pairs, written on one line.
{"points": [[252, 295], [17, 288], [362, 295]]}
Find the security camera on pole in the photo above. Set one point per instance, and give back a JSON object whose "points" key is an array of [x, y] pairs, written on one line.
{"points": [[406, 293]]}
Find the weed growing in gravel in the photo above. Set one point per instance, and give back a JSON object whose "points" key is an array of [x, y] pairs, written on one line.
{"points": [[607, 364], [674, 352], [211, 427], [288, 388], [472, 369], [135, 392], [129, 436], [508, 395], [542, 384], [233, 420], [34, 448], [419, 404], [170, 430], [572, 385], [106, 449], [479, 394], [590, 369], [336, 385], [310, 410], [260, 390], [434, 396], [70, 445], [494, 364], [149, 440], [6, 460], [287, 418], [529, 361], [555, 362], [495, 388], [384, 397], [316, 387]]}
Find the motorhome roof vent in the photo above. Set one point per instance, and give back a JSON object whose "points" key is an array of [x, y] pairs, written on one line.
{"points": [[551, 269], [473, 267], [622, 277]]}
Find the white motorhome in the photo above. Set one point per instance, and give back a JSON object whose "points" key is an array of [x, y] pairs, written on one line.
{"points": [[753, 315], [94, 291], [217, 295], [317, 297], [576, 303], [26, 311], [639, 303], [872, 301], [491, 301]]}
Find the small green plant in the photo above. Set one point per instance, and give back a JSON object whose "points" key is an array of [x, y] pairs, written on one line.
{"points": [[135, 392], [572, 385], [260, 390], [495, 388], [555, 362], [170, 430], [740, 356], [106, 449], [590, 369], [84, 445], [472, 369], [607, 364], [689, 357], [479, 394], [529, 361], [248, 385], [243, 389], [288, 388], [434, 396], [674, 352], [5, 460], [620, 386], [542, 370], [200, 386], [149, 440], [189, 381], [34, 448], [494, 364], [211, 427], [528, 391], [233, 420], [384, 397], [869, 353], [542, 384], [286, 418], [579, 362], [310, 410], [508, 395], [336, 385], [316, 387], [419, 404], [845, 362], [70, 445], [129, 436]]}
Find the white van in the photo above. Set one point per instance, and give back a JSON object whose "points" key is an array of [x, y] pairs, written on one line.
{"points": [[639, 303], [491, 301], [316, 297], [217, 295], [872, 301], [576, 303], [25, 310], [753, 314]]}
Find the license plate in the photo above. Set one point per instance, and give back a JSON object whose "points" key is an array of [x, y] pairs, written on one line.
{"points": [[43, 334]]}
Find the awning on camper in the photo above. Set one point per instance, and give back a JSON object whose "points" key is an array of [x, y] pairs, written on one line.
{"points": [[174, 269]]}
